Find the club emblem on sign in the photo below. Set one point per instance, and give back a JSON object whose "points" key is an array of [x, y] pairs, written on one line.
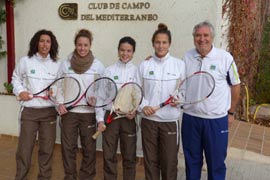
{"points": [[68, 11]]}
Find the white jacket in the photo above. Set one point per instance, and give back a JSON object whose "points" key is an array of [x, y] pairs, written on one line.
{"points": [[84, 79], [159, 77], [219, 64], [33, 75], [121, 73]]}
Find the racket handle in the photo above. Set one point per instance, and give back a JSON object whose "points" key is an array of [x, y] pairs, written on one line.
{"points": [[157, 107], [109, 119], [95, 136], [69, 108], [161, 105]]}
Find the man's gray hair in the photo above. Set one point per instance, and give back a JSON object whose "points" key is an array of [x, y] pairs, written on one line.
{"points": [[203, 24]]}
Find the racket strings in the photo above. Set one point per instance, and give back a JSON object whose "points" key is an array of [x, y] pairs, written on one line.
{"points": [[64, 90], [101, 93], [128, 99], [197, 87]]}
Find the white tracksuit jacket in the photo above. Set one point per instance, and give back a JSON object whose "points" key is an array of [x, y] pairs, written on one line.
{"points": [[220, 65], [159, 77], [85, 79], [33, 75], [121, 73]]}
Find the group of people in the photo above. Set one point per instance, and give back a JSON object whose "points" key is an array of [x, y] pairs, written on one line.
{"points": [[204, 126]]}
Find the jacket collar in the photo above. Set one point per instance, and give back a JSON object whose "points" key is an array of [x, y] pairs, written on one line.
{"points": [[210, 54], [39, 57], [163, 58], [120, 63]]}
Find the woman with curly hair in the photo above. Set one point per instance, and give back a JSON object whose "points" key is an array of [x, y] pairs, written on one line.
{"points": [[32, 74]]}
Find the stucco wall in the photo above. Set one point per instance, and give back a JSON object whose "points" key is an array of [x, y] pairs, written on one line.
{"points": [[179, 15]]}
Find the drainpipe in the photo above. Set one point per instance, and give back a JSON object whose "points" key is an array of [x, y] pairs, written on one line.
{"points": [[10, 39]]}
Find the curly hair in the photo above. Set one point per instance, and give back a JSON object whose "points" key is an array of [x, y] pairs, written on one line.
{"points": [[33, 45]]}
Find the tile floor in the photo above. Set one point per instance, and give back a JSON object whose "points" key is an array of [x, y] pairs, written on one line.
{"points": [[250, 137], [242, 135]]}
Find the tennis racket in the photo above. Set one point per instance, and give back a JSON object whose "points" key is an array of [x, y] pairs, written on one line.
{"points": [[195, 88], [57, 90], [99, 93], [127, 101]]}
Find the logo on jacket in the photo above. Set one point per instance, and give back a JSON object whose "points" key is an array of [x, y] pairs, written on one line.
{"points": [[32, 71], [151, 72], [115, 77], [171, 74], [213, 67]]}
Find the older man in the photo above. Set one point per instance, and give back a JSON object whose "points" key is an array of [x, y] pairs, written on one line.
{"points": [[205, 125]]}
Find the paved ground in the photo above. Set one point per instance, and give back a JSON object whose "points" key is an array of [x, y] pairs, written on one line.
{"points": [[248, 156], [241, 165]]}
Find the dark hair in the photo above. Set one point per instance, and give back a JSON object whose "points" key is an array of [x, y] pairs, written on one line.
{"points": [[83, 33], [128, 40], [162, 29], [33, 46]]}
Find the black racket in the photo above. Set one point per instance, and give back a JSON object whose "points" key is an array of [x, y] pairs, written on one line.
{"points": [[99, 93], [56, 90]]}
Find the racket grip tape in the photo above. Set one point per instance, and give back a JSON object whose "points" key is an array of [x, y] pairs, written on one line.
{"points": [[161, 105], [69, 108], [95, 136]]}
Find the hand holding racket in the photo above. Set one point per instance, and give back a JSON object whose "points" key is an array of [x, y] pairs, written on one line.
{"points": [[56, 90], [195, 88], [126, 103], [99, 93]]}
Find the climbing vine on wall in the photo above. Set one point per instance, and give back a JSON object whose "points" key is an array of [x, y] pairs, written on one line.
{"points": [[247, 20], [2, 20], [262, 79]]}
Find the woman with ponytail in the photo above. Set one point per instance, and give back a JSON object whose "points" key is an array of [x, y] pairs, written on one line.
{"points": [[160, 128], [82, 65]]}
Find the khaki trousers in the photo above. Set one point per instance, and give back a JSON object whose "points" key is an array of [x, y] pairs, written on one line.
{"points": [[124, 130], [74, 125], [43, 122], [160, 149]]}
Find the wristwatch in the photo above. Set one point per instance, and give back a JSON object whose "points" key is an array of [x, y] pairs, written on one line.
{"points": [[231, 113]]}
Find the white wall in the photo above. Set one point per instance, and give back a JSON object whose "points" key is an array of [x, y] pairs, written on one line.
{"points": [[9, 115], [179, 15], [33, 15], [9, 122]]}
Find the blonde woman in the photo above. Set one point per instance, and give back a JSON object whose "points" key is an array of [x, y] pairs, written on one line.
{"points": [[80, 121]]}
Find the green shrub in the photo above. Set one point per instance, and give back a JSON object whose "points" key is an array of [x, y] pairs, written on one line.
{"points": [[262, 85]]}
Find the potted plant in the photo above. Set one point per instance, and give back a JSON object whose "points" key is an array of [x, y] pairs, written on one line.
{"points": [[8, 89]]}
